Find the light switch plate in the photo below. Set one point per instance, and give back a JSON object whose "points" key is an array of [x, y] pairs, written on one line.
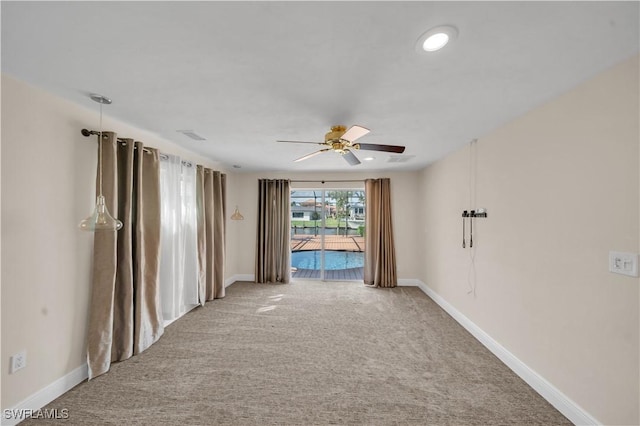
{"points": [[623, 263]]}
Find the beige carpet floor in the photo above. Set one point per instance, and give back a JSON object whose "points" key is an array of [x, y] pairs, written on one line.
{"points": [[311, 353]]}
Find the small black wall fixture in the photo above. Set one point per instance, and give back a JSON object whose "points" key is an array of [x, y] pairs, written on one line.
{"points": [[470, 214], [473, 213], [464, 215]]}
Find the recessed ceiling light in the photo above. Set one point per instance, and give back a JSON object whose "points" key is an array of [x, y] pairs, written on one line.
{"points": [[436, 38], [369, 158]]}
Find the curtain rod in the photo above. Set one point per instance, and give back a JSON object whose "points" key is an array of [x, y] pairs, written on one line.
{"points": [[165, 157], [162, 156], [88, 133], [323, 181]]}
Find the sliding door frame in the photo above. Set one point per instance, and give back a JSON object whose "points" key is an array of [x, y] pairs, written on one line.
{"points": [[323, 228]]}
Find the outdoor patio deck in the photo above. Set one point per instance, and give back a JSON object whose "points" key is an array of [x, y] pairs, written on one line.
{"points": [[330, 275], [331, 242]]}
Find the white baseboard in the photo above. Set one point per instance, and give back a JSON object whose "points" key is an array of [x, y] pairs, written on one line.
{"points": [[404, 282], [17, 413], [239, 277], [576, 414], [188, 309]]}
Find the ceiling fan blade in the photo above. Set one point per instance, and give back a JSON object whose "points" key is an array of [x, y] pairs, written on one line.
{"points": [[313, 154], [351, 158], [355, 132], [315, 143], [386, 148]]}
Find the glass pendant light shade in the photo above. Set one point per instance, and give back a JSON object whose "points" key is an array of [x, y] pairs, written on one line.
{"points": [[100, 220], [236, 215]]}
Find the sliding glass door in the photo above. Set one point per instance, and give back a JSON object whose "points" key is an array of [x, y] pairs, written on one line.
{"points": [[327, 234]]}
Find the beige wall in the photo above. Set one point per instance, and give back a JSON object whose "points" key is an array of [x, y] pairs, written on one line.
{"points": [[48, 180], [561, 188], [243, 191]]}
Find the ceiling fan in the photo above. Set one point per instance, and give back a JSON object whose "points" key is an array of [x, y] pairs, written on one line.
{"points": [[341, 140]]}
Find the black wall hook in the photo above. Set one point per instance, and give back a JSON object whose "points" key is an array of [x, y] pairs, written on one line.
{"points": [[464, 215], [470, 214]]}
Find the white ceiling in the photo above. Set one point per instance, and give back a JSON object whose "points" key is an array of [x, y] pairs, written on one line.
{"points": [[244, 74]]}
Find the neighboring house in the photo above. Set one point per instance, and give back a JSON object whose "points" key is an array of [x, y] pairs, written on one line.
{"points": [[356, 211], [304, 212], [305, 209]]}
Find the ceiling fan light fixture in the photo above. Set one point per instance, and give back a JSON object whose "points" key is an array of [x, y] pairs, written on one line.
{"points": [[436, 38], [335, 134], [341, 141]]}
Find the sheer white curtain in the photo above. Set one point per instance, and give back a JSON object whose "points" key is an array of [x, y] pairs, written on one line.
{"points": [[189, 236], [178, 258]]}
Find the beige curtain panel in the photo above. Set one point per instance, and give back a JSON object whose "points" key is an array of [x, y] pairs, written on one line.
{"points": [[274, 227], [220, 231], [379, 255], [211, 200], [125, 314]]}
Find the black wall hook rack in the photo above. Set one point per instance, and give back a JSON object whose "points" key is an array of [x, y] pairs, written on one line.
{"points": [[470, 214], [473, 213]]}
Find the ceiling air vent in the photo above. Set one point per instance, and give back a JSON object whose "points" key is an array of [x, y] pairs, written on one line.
{"points": [[191, 134], [400, 158]]}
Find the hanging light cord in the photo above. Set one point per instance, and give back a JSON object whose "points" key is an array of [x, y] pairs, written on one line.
{"points": [[471, 275], [100, 156]]}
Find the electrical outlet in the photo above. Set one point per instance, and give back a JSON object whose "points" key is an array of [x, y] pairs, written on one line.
{"points": [[623, 263], [18, 361]]}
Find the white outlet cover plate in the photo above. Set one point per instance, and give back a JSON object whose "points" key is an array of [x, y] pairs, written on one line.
{"points": [[18, 361], [623, 263]]}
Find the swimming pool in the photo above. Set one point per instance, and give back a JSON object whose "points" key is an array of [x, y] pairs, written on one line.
{"points": [[333, 259]]}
